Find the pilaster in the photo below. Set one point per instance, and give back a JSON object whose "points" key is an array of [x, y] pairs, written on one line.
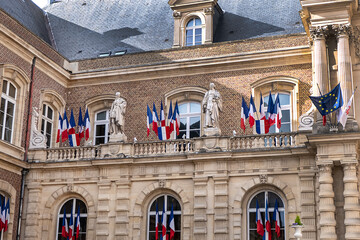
{"points": [[122, 210], [103, 211], [200, 207], [32, 230], [221, 199]]}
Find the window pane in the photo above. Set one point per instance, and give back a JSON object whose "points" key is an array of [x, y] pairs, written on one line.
{"points": [[160, 202], [10, 109], [100, 130], [2, 106], [183, 123], [285, 127], [190, 23], [194, 122], [99, 140], [181, 134], [285, 116], [189, 33], [101, 116], [284, 99], [1, 118], [4, 86], [48, 128], [183, 108], [7, 136], [194, 133], [195, 107], [175, 203], [261, 199], [50, 113], [197, 21], [189, 41], [8, 121], [198, 31], [44, 110], [12, 90]]}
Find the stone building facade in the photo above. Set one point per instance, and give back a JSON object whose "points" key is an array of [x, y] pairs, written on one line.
{"points": [[212, 181]]}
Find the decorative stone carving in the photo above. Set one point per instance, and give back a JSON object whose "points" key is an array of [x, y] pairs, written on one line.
{"points": [[162, 183], [306, 120], [342, 29], [37, 139], [212, 106], [176, 14], [355, 37], [209, 10], [319, 32], [117, 119], [263, 178]]}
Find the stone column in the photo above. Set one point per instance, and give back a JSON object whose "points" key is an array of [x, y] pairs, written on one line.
{"points": [[351, 199], [344, 65], [326, 203], [321, 73]]}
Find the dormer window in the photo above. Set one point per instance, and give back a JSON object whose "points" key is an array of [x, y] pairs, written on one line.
{"points": [[193, 32]]}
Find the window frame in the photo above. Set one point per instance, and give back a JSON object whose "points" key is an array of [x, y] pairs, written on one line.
{"points": [[12, 100], [262, 210], [189, 115], [61, 215], [283, 107], [193, 30], [45, 119], [105, 122], [153, 213]]}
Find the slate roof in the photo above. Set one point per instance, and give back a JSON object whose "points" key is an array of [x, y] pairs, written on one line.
{"points": [[29, 15], [85, 28]]}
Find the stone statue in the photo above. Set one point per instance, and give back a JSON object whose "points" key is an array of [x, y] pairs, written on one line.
{"points": [[117, 119], [212, 106], [37, 139]]}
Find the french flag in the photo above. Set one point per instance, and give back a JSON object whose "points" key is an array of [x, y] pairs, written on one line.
{"points": [[64, 128], [170, 123], [267, 221], [58, 135], [172, 223], [262, 126], [252, 111], [80, 134], [244, 113], [176, 120], [71, 130], [259, 222], [162, 122], [157, 222], [276, 218], [262, 108], [65, 228], [87, 125], [271, 110], [2, 214], [7, 215], [163, 235], [78, 223], [71, 227], [149, 120], [155, 120], [278, 111]]}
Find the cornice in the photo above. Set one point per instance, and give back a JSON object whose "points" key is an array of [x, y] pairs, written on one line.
{"points": [[232, 62]]}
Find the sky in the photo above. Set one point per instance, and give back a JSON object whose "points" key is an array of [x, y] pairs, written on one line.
{"points": [[40, 3]]}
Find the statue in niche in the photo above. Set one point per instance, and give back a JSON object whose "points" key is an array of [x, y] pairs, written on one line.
{"points": [[212, 106], [37, 139], [117, 119]]}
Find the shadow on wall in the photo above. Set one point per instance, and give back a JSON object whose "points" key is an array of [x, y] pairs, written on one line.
{"points": [[77, 42], [233, 27]]}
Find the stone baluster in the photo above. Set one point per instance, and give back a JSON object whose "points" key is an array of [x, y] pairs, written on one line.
{"points": [[326, 203], [351, 201], [321, 73]]}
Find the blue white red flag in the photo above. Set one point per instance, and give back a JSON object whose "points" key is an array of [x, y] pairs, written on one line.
{"points": [[172, 223], [278, 111], [170, 123], [64, 128], [276, 218], [155, 120], [176, 119], [71, 226], [157, 222], [65, 228], [87, 125], [2, 206], [7, 215], [162, 122], [267, 221], [71, 130], [262, 126], [252, 111], [244, 113], [78, 223], [271, 110], [80, 133], [262, 108], [58, 134], [163, 235], [148, 119], [259, 222]]}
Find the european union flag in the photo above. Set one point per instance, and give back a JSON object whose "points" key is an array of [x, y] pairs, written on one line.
{"points": [[329, 102]]}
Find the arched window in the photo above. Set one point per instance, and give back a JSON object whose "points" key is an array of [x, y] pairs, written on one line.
{"points": [[285, 111], [261, 197], [47, 123], [101, 127], [164, 201], [7, 110], [190, 119], [73, 206], [193, 32]]}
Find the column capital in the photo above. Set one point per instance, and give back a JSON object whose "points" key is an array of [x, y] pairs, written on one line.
{"points": [[325, 168], [319, 32], [342, 30], [349, 165]]}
